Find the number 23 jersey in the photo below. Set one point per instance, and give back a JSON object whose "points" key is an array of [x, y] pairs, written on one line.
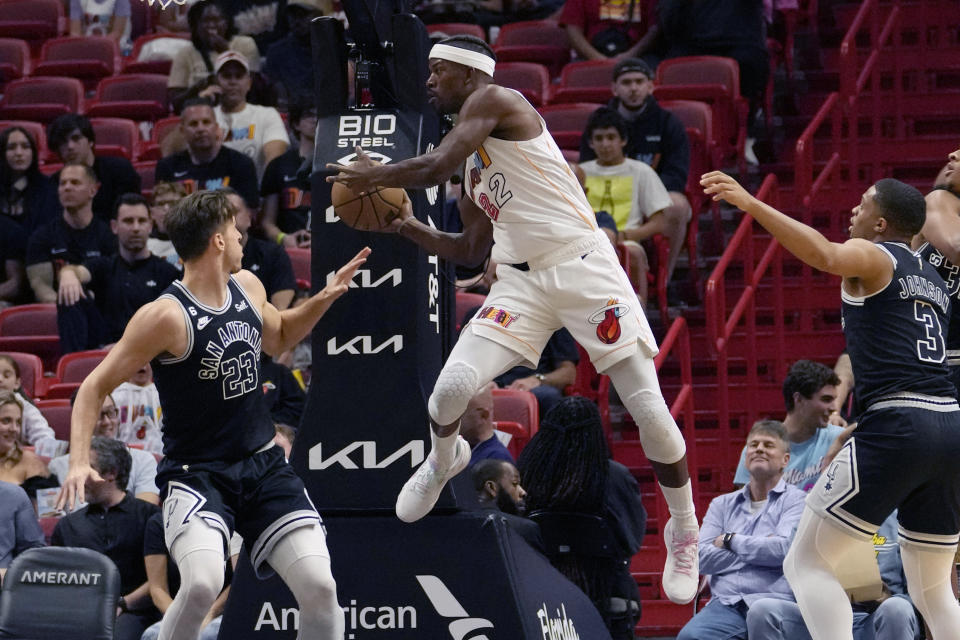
{"points": [[896, 337], [211, 396]]}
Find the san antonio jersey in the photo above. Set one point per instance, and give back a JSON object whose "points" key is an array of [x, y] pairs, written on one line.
{"points": [[951, 276], [896, 337], [211, 396]]}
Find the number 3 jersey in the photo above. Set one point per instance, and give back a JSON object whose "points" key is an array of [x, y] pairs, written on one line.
{"points": [[212, 401], [896, 337]]}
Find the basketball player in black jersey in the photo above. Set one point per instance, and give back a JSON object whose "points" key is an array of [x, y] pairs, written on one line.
{"points": [[905, 450], [221, 471], [939, 244]]}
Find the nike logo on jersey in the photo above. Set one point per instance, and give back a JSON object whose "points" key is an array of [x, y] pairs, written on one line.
{"points": [[180, 174], [292, 178], [202, 322]]}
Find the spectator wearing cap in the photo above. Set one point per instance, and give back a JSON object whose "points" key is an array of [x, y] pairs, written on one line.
{"points": [[71, 137], [255, 131], [654, 136], [207, 163], [212, 32], [289, 59]]}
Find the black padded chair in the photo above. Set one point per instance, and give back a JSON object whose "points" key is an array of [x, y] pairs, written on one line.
{"points": [[59, 593]]}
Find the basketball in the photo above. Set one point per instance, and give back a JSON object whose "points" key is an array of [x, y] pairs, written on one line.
{"points": [[369, 212]]}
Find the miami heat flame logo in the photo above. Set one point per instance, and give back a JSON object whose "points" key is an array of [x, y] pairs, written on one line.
{"points": [[607, 320]]}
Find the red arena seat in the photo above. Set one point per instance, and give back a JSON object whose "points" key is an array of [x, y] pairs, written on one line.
{"points": [[542, 41], [40, 99], [14, 59], [88, 58], [32, 20], [529, 78], [140, 96], [116, 137], [566, 122], [511, 405], [585, 81], [31, 328], [457, 29]]}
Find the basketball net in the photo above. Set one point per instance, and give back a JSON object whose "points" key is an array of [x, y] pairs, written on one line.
{"points": [[164, 3]]}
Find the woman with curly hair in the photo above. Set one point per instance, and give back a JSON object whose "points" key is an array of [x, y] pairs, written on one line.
{"points": [[566, 469], [18, 465]]}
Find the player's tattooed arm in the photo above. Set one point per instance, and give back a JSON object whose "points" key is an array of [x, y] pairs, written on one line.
{"points": [[856, 258], [469, 247], [942, 226], [479, 116]]}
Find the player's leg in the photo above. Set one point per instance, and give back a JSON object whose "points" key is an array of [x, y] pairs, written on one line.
{"points": [[811, 567], [473, 363], [928, 583], [302, 560], [635, 380], [198, 552]]}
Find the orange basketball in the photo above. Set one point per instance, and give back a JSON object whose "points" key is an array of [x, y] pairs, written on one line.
{"points": [[369, 212]]}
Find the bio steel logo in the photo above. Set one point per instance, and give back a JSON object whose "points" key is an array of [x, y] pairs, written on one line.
{"points": [[369, 130]]}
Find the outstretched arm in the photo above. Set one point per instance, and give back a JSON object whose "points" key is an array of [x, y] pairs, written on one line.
{"points": [[284, 329], [156, 328], [477, 119], [855, 258]]}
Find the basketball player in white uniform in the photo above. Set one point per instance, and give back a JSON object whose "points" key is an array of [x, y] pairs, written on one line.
{"points": [[556, 269]]}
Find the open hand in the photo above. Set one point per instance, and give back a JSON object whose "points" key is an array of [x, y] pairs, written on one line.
{"points": [[722, 187], [340, 282], [359, 176], [70, 290], [72, 491]]}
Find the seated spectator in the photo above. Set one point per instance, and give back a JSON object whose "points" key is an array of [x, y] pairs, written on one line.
{"points": [[26, 195], [600, 29], [289, 60], [556, 370], [71, 137], [211, 33], [19, 528], [629, 190], [141, 418], [266, 260], [114, 523], [70, 238], [497, 483], [654, 135], [164, 580], [809, 391], [13, 247], [498, 486], [286, 195], [255, 131], [98, 298], [35, 430], [477, 428], [207, 164], [744, 539], [18, 465], [284, 396], [142, 474], [110, 18], [165, 195], [566, 468]]}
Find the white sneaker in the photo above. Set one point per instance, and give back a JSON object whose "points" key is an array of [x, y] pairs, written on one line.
{"points": [[681, 574], [421, 491]]}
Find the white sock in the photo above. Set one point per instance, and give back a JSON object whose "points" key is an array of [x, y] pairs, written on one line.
{"points": [[444, 448], [680, 502]]}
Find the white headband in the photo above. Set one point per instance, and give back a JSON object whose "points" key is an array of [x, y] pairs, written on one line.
{"points": [[467, 58]]}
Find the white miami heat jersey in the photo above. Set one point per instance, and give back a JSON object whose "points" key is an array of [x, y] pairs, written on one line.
{"points": [[528, 191]]}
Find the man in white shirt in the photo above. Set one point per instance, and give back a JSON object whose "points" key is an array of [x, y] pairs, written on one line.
{"points": [[256, 131]]}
